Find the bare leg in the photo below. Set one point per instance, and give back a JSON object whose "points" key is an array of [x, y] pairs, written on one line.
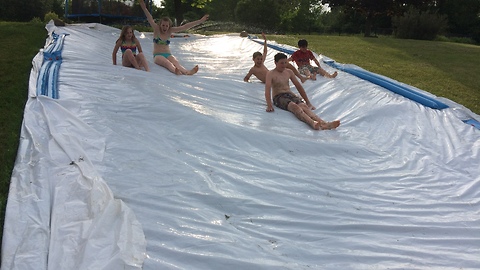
{"points": [[175, 62], [129, 60], [330, 125], [312, 76], [320, 123], [162, 61], [295, 71], [325, 74], [302, 116], [142, 62], [193, 70]]}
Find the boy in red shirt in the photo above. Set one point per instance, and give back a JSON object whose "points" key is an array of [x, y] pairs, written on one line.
{"points": [[302, 58]]}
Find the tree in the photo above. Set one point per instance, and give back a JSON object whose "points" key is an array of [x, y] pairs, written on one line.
{"points": [[264, 16], [180, 7], [368, 8], [463, 17], [308, 17], [221, 10], [14, 10], [372, 9]]}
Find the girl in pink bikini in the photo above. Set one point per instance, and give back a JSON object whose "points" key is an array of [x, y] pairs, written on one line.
{"points": [[129, 44]]}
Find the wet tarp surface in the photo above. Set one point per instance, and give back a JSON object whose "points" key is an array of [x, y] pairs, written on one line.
{"points": [[129, 169]]}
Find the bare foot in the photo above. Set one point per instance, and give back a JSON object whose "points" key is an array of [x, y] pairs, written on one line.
{"points": [[177, 71], [193, 71], [329, 125], [334, 75]]}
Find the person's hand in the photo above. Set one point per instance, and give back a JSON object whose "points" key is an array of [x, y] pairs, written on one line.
{"points": [[270, 108], [263, 36]]}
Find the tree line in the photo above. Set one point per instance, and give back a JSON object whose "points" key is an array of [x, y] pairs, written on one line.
{"points": [[420, 19]]}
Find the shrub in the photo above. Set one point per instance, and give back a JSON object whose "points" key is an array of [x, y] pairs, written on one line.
{"points": [[50, 16], [36, 20], [419, 25]]}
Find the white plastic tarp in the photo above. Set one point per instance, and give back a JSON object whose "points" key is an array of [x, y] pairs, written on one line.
{"points": [[130, 169]]}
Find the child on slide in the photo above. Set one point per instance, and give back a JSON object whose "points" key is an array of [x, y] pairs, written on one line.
{"points": [[302, 58], [260, 70], [161, 41], [129, 44], [277, 86]]}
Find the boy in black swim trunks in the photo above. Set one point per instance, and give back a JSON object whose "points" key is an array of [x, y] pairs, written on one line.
{"points": [[277, 84]]}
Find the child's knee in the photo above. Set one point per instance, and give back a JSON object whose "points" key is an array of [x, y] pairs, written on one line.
{"points": [[294, 108], [128, 52]]}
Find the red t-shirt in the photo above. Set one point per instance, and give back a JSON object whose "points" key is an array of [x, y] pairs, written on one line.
{"points": [[302, 58]]}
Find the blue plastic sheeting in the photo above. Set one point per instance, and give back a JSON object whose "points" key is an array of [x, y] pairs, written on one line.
{"points": [[53, 51], [391, 85], [47, 83]]}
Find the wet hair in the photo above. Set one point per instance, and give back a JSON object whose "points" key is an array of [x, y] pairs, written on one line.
{"points": [[255, 54], [124, 32], [279, 56], [302, 43]]}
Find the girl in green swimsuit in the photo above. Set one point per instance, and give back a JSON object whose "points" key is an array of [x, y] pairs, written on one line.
{"points": [[161, 34]]}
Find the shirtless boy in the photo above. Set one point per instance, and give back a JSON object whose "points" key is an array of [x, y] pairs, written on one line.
{"points": [[260, 70], [277, 85]]}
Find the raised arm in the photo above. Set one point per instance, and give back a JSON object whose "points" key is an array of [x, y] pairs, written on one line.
{"points": [[264, 56], [149, 16], [189, 25]]}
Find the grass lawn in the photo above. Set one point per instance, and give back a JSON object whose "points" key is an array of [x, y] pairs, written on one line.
{"points": [[21, 42], [445, 69]]}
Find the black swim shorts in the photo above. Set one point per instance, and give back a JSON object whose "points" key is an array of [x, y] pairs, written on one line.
{"points": [[282, 100]]}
